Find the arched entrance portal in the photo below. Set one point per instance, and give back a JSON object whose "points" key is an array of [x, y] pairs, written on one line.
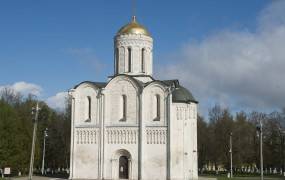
{"points": [[123, 167]]}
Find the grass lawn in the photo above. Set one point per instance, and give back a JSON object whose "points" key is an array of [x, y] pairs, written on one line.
{"points": [[250, 178], [223, 177]]}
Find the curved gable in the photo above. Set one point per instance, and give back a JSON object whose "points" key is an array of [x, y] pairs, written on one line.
{"points": [[94, 85], [121, 99], [113, 82], [159, 84]]}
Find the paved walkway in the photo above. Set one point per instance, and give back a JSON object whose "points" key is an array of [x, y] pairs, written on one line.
{"points": [[258, 178], [244, 178], [36, 178], [52, 178], [200, 178], [206, 178]]}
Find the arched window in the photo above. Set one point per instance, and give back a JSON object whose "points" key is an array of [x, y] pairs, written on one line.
{"points": [[143, 60], [88, 109], [117, 60], [130, 59], [123, 108], [156, 108]]}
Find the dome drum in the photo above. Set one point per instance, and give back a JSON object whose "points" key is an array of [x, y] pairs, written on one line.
{"points": [[133, 50]]}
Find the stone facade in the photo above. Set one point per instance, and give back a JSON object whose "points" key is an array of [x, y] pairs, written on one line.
{"points": [[133, 126]]}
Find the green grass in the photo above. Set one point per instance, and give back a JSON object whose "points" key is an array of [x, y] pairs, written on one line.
{"points": [[224, 177], [251, 178]]}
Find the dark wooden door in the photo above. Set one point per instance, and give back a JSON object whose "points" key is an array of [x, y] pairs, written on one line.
{"points": [[123, 167]]}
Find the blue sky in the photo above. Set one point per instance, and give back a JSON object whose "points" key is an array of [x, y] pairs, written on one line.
{"points": [[56, 44]]}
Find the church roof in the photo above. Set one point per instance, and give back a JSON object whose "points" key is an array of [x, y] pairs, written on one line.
{"points": [[97, 84], [180, 93], [139, 83]]}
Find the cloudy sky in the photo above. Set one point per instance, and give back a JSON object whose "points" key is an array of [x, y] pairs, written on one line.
{"points": [[226, 52]]}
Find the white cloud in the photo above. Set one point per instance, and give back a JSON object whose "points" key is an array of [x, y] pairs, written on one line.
{"points": [[239, 69], [24, 88], [58, 101]]}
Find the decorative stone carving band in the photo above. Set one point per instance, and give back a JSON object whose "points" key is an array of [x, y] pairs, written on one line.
{"points": [[134, 36], [156, 135], [185, 113], [122, 135], [140, 43], [86, 135]]}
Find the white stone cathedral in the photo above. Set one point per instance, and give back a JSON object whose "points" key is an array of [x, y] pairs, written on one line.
{"points": [[133, 126]]}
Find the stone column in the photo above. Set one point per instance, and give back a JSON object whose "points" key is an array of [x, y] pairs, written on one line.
{"points": [[168, 132], [140, 138], [101, 142], [130, 169], [103, 133], [114, 168], [71, 171]]}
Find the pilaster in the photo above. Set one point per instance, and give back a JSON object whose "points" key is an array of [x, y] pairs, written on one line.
{"points": [[71, 172]]}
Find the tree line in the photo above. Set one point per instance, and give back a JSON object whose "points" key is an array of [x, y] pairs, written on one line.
{"points": [[16, 131], [16, 127], [214, 136]]}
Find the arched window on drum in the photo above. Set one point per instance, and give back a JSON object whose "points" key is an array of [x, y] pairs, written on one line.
{"points": [[117, 60], [129, 59], [143, 60]]}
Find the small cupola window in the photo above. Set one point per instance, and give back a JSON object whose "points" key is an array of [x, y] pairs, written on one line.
{"points": [[129, 59], [117, 60], [143, 60]]}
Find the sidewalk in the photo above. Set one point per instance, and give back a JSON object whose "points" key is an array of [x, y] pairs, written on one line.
{"points": [[35, 178], [206, 178], [51, 178]]}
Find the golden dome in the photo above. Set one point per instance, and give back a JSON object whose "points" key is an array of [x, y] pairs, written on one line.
{"points": [[133, 28]]}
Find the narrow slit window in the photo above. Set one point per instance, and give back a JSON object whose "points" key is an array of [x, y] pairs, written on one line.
{"points": [[88, 118], [157, 108], [117, 60], [124, 108], [130, 59], [143, 60]]}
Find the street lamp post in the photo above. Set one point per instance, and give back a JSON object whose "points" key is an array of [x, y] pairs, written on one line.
{"points": [[283, 164], [282, 151], [282, 134], [36, 112], [231, 154], [44, 150], [260, 129]]}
